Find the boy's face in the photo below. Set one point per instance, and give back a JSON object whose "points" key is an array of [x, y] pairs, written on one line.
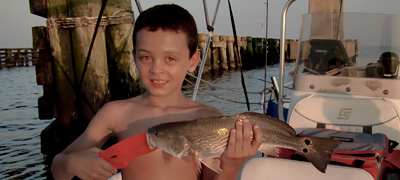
{"points": [[162, 58]]}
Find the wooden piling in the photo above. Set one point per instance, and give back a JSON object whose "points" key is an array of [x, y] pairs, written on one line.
{"points": [[249, 49], [44, 73], [242, 49], [215, 44], [9, 58], [258, 46], [38, 7], [222, 52], [63, 75], [94, 91], [231, 52], [124, 81], [273, 51], [70, 46]]}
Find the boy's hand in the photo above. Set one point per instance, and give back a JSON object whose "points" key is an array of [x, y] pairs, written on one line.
{"points": [[89, 165], [240, 146]]}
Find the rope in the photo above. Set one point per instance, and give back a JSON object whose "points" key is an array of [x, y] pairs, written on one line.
{"points": [[237, 55], [73, 22]]}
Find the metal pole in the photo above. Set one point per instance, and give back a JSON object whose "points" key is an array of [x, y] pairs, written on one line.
{"points": [[282, 59], [139, 6], [266, 60], [215, 13], [203, 59], [206, 12]]}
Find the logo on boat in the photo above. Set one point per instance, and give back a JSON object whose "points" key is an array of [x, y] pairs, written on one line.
{"points": [[344, 113]]}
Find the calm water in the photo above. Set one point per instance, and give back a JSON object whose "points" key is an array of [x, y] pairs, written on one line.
{"points": [[20, 128], [20, 156]]}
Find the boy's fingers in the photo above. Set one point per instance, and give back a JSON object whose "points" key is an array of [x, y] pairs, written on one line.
{"points": [[239, 136], [108, 170], [246, 131], [257, 137], [232, 142]]}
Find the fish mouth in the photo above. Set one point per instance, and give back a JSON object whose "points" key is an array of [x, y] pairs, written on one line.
{"points": [[151, 143]]}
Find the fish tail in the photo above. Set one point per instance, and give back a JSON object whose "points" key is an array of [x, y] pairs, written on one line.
{"points": [[318, 150]]}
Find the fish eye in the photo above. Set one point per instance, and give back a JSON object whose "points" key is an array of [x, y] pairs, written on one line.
{"points": [[157, 134]]}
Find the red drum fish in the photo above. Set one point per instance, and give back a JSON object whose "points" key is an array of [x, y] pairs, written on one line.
{"points": [[207, 138]]}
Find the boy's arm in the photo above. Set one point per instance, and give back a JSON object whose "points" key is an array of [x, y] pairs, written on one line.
{"points": [[240, 148], [81, 157], [85, 164]]}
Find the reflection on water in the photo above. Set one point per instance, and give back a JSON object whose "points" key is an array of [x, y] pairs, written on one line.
{"points": [[20, 128]]}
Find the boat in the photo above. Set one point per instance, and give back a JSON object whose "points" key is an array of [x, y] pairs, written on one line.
{"points": [[345, 79]]}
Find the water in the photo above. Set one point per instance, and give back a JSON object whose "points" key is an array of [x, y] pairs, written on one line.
{"points": [[232, 99], [20, 156], [20, 128]]}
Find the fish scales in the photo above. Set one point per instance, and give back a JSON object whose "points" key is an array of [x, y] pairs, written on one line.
{"points": [[215, 132], [207, 138]]}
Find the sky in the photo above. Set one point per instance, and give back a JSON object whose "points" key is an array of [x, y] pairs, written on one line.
{"points": [[16, 21]]}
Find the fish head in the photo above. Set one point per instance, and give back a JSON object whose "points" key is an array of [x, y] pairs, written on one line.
{"points": [[168, 140]]}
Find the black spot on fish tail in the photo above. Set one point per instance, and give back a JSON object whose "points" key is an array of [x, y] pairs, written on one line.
{"points": [[318, 151], [307, 141]]}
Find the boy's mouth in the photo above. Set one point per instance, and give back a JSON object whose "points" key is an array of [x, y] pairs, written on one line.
{"points": [[158, 83]]}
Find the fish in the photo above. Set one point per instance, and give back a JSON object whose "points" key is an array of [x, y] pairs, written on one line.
{"points": [[206, 139]]}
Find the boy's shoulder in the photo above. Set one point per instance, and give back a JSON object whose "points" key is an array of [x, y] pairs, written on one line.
{"points": [[203, 111]]}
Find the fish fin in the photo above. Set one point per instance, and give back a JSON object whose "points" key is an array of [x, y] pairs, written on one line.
{"points": [[270, 150], [196, 162], [318, 150], [212, 163]]}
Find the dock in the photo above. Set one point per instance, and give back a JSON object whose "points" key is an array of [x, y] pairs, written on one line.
{"points": [[13, 57]]}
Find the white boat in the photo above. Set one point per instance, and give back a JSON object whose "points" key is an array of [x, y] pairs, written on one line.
{"points": [[346, 78]]}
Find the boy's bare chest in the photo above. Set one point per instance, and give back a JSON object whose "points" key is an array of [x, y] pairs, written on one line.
{"points": [[138, 121], [160, 165]]}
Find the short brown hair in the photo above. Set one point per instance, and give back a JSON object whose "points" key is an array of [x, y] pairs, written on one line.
{"points": [[169, 17]]}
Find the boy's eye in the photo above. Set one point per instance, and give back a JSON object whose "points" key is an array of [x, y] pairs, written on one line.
{"points": [[171, 59], [145, 58]]}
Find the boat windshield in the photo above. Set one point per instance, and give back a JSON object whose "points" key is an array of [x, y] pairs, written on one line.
{"points": [[349, 44]]}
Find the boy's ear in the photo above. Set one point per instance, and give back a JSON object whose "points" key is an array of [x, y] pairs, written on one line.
{"points": [[194, 61]]}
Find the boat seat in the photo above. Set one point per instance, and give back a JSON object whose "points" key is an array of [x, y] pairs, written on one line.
{"points": [[344, 113], [262, 168]]}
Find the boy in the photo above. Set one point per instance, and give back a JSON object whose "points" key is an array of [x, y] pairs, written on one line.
{"points": [[165, 41]]}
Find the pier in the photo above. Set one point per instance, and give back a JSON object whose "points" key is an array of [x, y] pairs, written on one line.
{"points": [[12, 57]]}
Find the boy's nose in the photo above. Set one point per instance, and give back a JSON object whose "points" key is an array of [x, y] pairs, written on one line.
{"points": [[156, 67]]}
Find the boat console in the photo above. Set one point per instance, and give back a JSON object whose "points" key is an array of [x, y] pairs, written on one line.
{"points": [[348, 79]]}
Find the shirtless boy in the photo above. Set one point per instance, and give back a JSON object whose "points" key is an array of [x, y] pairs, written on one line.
{"points": [[165, 39]]}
